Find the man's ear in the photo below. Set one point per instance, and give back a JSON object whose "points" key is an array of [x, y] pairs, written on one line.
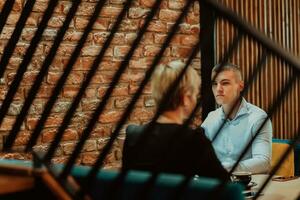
{"points": [[241, 85]]}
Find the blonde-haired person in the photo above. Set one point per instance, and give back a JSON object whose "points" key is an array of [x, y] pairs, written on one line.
{"points": [[169, 146]]}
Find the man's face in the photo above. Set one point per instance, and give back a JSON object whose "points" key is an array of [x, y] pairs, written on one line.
{"points": [[227, 87]]}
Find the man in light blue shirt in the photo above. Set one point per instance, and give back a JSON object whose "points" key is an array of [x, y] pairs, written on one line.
{"points": [[241, 125]]}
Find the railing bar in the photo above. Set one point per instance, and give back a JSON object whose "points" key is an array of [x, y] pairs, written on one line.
{"points": [[107, 147], [64, 76], [85, 84], [23, 67], [44, 69], [254, 33], [109, 91], [7, 8], [293, 143], [9, 48]]}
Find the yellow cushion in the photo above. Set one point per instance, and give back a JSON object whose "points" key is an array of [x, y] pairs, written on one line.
{"points": [[287, 167]]}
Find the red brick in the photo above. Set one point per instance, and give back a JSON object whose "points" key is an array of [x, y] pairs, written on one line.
{"points": [[122, 102], [133, 87], [157, 26], [141, 63], [182, 52], [74, 36], [53, 121], [147, 3], [151, 50], [142, 114], [89, 104], [28, 33], [63, 7], [91, 92], [40, 6], [110, 116], [106, 77], [178, 4], [33, 19], [44, 92], [6, 33], [90, 145], [118, 2], [61, 106], [37, 107], [29, 77], [137, 12], [110, 12], [118, 91], [75, 78], [130, 25], [65, 50], [86, 8], [13, 18], [14, 108], [189, 40], [89, 158], [100, 24], [149, 102], [192, 18], [101, 131], [53, 77], [136, 76], [68, 147], [168, 15], [70, 91], [7, 123], [18, 5], [188, 29], [148, 38]]}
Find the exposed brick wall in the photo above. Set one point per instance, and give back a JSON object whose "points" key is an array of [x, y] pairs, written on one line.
{"points": [[179, 48]]}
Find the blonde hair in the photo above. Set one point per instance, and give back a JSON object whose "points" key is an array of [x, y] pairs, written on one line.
{"points": [[163, 78]]}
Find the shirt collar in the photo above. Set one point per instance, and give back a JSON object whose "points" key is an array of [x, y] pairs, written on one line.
{"points": [[243, 110]]}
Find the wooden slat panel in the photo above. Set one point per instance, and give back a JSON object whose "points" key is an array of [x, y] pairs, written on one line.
{"points": [[280, 20]]}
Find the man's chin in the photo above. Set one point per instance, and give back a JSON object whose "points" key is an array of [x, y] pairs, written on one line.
{"points": [[219, 101]]}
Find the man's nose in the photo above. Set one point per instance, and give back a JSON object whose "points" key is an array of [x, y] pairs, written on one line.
{"points": [[219, 87]]}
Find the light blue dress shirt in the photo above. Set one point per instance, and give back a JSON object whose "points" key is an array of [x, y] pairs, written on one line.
{"points": [[237, 133]]}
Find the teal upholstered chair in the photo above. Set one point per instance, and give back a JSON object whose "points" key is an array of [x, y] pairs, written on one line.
{"points": [[296, 154], [164, 187]]}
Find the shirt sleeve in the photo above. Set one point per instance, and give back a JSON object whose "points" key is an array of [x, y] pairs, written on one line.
{"points": [[261, 149]]}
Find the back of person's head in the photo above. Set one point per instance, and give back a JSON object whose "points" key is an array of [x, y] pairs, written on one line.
{"points": [[228, 67], [163, 78]]}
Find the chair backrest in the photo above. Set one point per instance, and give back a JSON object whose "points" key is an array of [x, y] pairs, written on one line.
{"points": [[278, 147], [287, 168], [164, 186]]}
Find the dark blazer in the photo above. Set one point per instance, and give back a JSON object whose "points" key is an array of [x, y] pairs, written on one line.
{"points": [[171, 148]]}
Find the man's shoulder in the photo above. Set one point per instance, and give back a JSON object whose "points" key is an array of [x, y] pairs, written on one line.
{"points": [[256, 111]]}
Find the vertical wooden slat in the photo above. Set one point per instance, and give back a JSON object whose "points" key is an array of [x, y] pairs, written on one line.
{"points": [[280, 20]]}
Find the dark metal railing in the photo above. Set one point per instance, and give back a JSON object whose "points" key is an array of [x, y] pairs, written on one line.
{"points": [[220, 10]]}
